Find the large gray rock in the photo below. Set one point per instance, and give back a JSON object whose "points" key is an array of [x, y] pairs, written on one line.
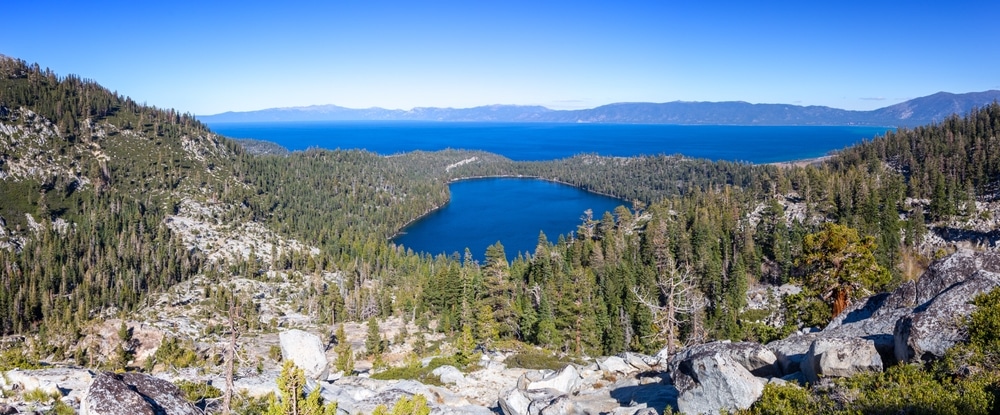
{"points": [[517, 401], [708, 383], [936, 326], [564, 381], [615, 364], [874, 318], [51, 381], [306, 350], [642, 363], [952, 270], [791, 351], [514, 401], [449, 374], [840, 357], [361, 395], [133, 394], [755, 358]]}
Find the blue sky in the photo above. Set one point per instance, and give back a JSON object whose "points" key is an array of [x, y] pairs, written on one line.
{"points": [[208, 57]]}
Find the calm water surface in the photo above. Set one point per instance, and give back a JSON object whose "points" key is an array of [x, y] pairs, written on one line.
{"points": [[540, 141], [512, 211]]}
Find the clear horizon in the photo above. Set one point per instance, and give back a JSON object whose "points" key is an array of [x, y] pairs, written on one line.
{"points": [[549, 108], [210, 58]]}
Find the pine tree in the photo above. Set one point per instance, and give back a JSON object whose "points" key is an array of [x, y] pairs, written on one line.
{"points": [[345, 355], [293, 401], [373, 342]]}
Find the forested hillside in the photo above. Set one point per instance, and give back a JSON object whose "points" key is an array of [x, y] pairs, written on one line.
{"points": [[93, 185]]}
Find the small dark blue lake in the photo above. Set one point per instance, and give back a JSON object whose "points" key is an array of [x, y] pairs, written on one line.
{"points": [[512, 211]]}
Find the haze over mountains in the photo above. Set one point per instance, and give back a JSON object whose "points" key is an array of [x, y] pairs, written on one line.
{"points": [[918, 111]]}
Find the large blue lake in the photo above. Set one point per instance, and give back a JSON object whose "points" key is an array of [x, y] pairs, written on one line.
{"points": [[539, 141], [513, 211]]}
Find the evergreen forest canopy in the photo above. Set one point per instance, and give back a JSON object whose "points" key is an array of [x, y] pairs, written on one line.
{"points": [[89, 181]]}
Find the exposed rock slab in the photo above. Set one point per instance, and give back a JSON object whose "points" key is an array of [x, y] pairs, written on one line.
{"points": [[133, 393], [642, 363], [306, 350], [936, 326], [954, 269], [362, 395], [449, 374], [755, 358], [564, 381], [710, 380], [840, 357], [615, 364]]}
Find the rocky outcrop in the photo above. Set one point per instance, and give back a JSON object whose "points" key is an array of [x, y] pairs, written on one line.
{"points": [[718, 376], [134, 393], [640, 362], [70, 384], [952, 270], [306, 350], [840, 357], [755, 358], [449, 375], [936, 326], [563, 382], [906, 325], [362, 395], [590, 390], [615, 364], [708, 384], [791, 351], [537, 390]]}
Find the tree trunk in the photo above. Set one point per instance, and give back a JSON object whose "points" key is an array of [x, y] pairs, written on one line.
{"points": [[230, 360], [840, 301]]}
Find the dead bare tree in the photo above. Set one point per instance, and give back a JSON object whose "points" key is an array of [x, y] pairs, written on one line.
{"points": [[234, 314], [680, 298]]}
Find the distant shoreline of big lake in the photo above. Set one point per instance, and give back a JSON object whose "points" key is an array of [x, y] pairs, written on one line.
{"points": [[513, 211], [545, 141]]}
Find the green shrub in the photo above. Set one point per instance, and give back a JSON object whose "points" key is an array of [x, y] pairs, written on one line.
{"points": [[406, 406], [38, 395], [909, 389], [274, 352], [805, 309], [16, 359], [61, 408], [984, 323], [172, 352], [538, 359], [415, 371], [198, 391], [785, 400]]}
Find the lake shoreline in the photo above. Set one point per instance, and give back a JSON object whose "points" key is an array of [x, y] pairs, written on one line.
{"points": [[417, 219], [401, 230], [518, 176], [511, 209], [801, 162]]}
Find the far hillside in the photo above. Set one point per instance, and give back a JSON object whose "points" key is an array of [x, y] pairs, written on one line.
{"points": [[918, 111]]}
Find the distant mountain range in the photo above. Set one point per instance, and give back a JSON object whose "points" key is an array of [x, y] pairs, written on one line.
{"points": [[919, 111]]}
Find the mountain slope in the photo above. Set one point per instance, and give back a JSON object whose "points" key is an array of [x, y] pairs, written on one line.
{"points": [[919, 111]]}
